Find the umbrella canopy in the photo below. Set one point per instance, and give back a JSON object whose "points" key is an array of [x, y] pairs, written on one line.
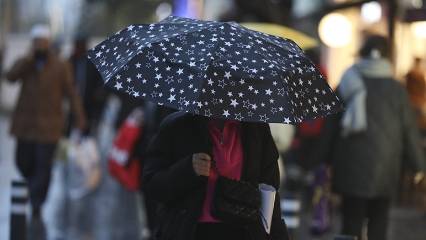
{"points": [[303, 40], [215, 69]]}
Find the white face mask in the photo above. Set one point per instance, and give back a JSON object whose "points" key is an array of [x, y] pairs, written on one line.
{"points": [[375, 54]]}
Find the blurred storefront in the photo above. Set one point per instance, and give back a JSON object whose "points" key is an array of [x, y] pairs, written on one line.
{"points": [[354, 18], [342, 31], [340, 24], [410, 37], [339, 27], [70, 17]]}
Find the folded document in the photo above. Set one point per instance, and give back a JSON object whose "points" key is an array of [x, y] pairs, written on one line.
{"points": [[267, 194]]}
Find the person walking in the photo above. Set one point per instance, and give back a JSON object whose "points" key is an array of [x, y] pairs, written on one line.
{"points": [[416, 87], [371, 140], [180, 176], [88, 83], [38, 119], [210, 176]]}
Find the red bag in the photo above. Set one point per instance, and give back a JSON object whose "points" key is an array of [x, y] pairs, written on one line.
{"points": [[311, 128], [126, 170]]}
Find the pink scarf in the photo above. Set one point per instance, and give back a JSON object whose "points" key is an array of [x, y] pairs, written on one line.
{"points": [[228, 154]]}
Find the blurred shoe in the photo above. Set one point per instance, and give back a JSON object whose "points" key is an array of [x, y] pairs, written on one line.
{"points": [[36, 214], [36, 229]]}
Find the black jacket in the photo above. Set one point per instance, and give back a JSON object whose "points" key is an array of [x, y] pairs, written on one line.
{"points": [[170, 179], [368, 164]]}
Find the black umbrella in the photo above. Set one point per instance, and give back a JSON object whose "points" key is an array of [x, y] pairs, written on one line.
{"points": [[215, 69]]}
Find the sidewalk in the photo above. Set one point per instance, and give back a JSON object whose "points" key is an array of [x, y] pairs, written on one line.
{"points": [[110, 212], [7, 173], [404, 224]]}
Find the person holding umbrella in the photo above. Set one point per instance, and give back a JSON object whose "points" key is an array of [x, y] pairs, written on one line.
{"points": [[207, 162], [179, 171]]}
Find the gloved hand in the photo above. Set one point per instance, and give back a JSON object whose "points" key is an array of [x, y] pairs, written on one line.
{"points": [[418, 178]]}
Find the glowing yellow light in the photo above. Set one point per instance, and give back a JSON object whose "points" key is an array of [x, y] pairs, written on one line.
{"points": [[335, 30], [371, 12], [419, 29]]}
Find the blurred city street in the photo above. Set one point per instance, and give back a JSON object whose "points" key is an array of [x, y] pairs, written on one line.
{"points": [[109, 213], [7, 173], [322, 103]]}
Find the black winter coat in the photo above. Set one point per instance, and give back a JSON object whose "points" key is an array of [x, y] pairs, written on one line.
{"points": [[368, 164], [170, 179]]}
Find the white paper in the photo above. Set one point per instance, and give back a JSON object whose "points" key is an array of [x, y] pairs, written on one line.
{"points": [[267, 193]]}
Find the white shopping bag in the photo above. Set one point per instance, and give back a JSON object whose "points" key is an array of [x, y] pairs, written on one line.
{"points": [[84, 171], [9, 93]]}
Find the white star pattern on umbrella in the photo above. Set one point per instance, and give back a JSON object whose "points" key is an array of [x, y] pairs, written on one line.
{"points": [[226, 113], [118, 85], [227, 71], [172, 98], [234, 103]]}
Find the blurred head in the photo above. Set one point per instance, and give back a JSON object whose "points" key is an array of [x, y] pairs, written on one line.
{"points": [[375, 46], [417, 62], [80, 45], [41, 35]]}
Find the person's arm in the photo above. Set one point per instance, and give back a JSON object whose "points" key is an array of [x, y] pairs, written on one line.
{"points": [[322, 152], [20, 69], [95, 92], [270, 175], [74, 98], [165, 178], [413, 152]]}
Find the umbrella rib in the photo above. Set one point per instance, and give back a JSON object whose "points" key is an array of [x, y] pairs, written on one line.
{"points": [[154, 42], [260, 35], [208, 66], [135, 46], [183, 33]]}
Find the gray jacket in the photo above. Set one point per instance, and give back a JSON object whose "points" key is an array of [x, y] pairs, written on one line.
{"points": [[368, 163]]}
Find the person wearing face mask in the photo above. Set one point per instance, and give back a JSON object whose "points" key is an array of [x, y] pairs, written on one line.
{"points": [[38, 120], [89, 84]]}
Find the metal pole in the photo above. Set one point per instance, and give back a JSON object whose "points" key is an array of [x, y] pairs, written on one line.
{"points": [[18, 210], [291, 206]]}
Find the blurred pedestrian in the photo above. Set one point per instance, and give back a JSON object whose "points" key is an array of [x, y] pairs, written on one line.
{"points": [[370, 141], [416, 87], [181, 170], [131, 141], [88, 83], [38, 119], [154, 115]]}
